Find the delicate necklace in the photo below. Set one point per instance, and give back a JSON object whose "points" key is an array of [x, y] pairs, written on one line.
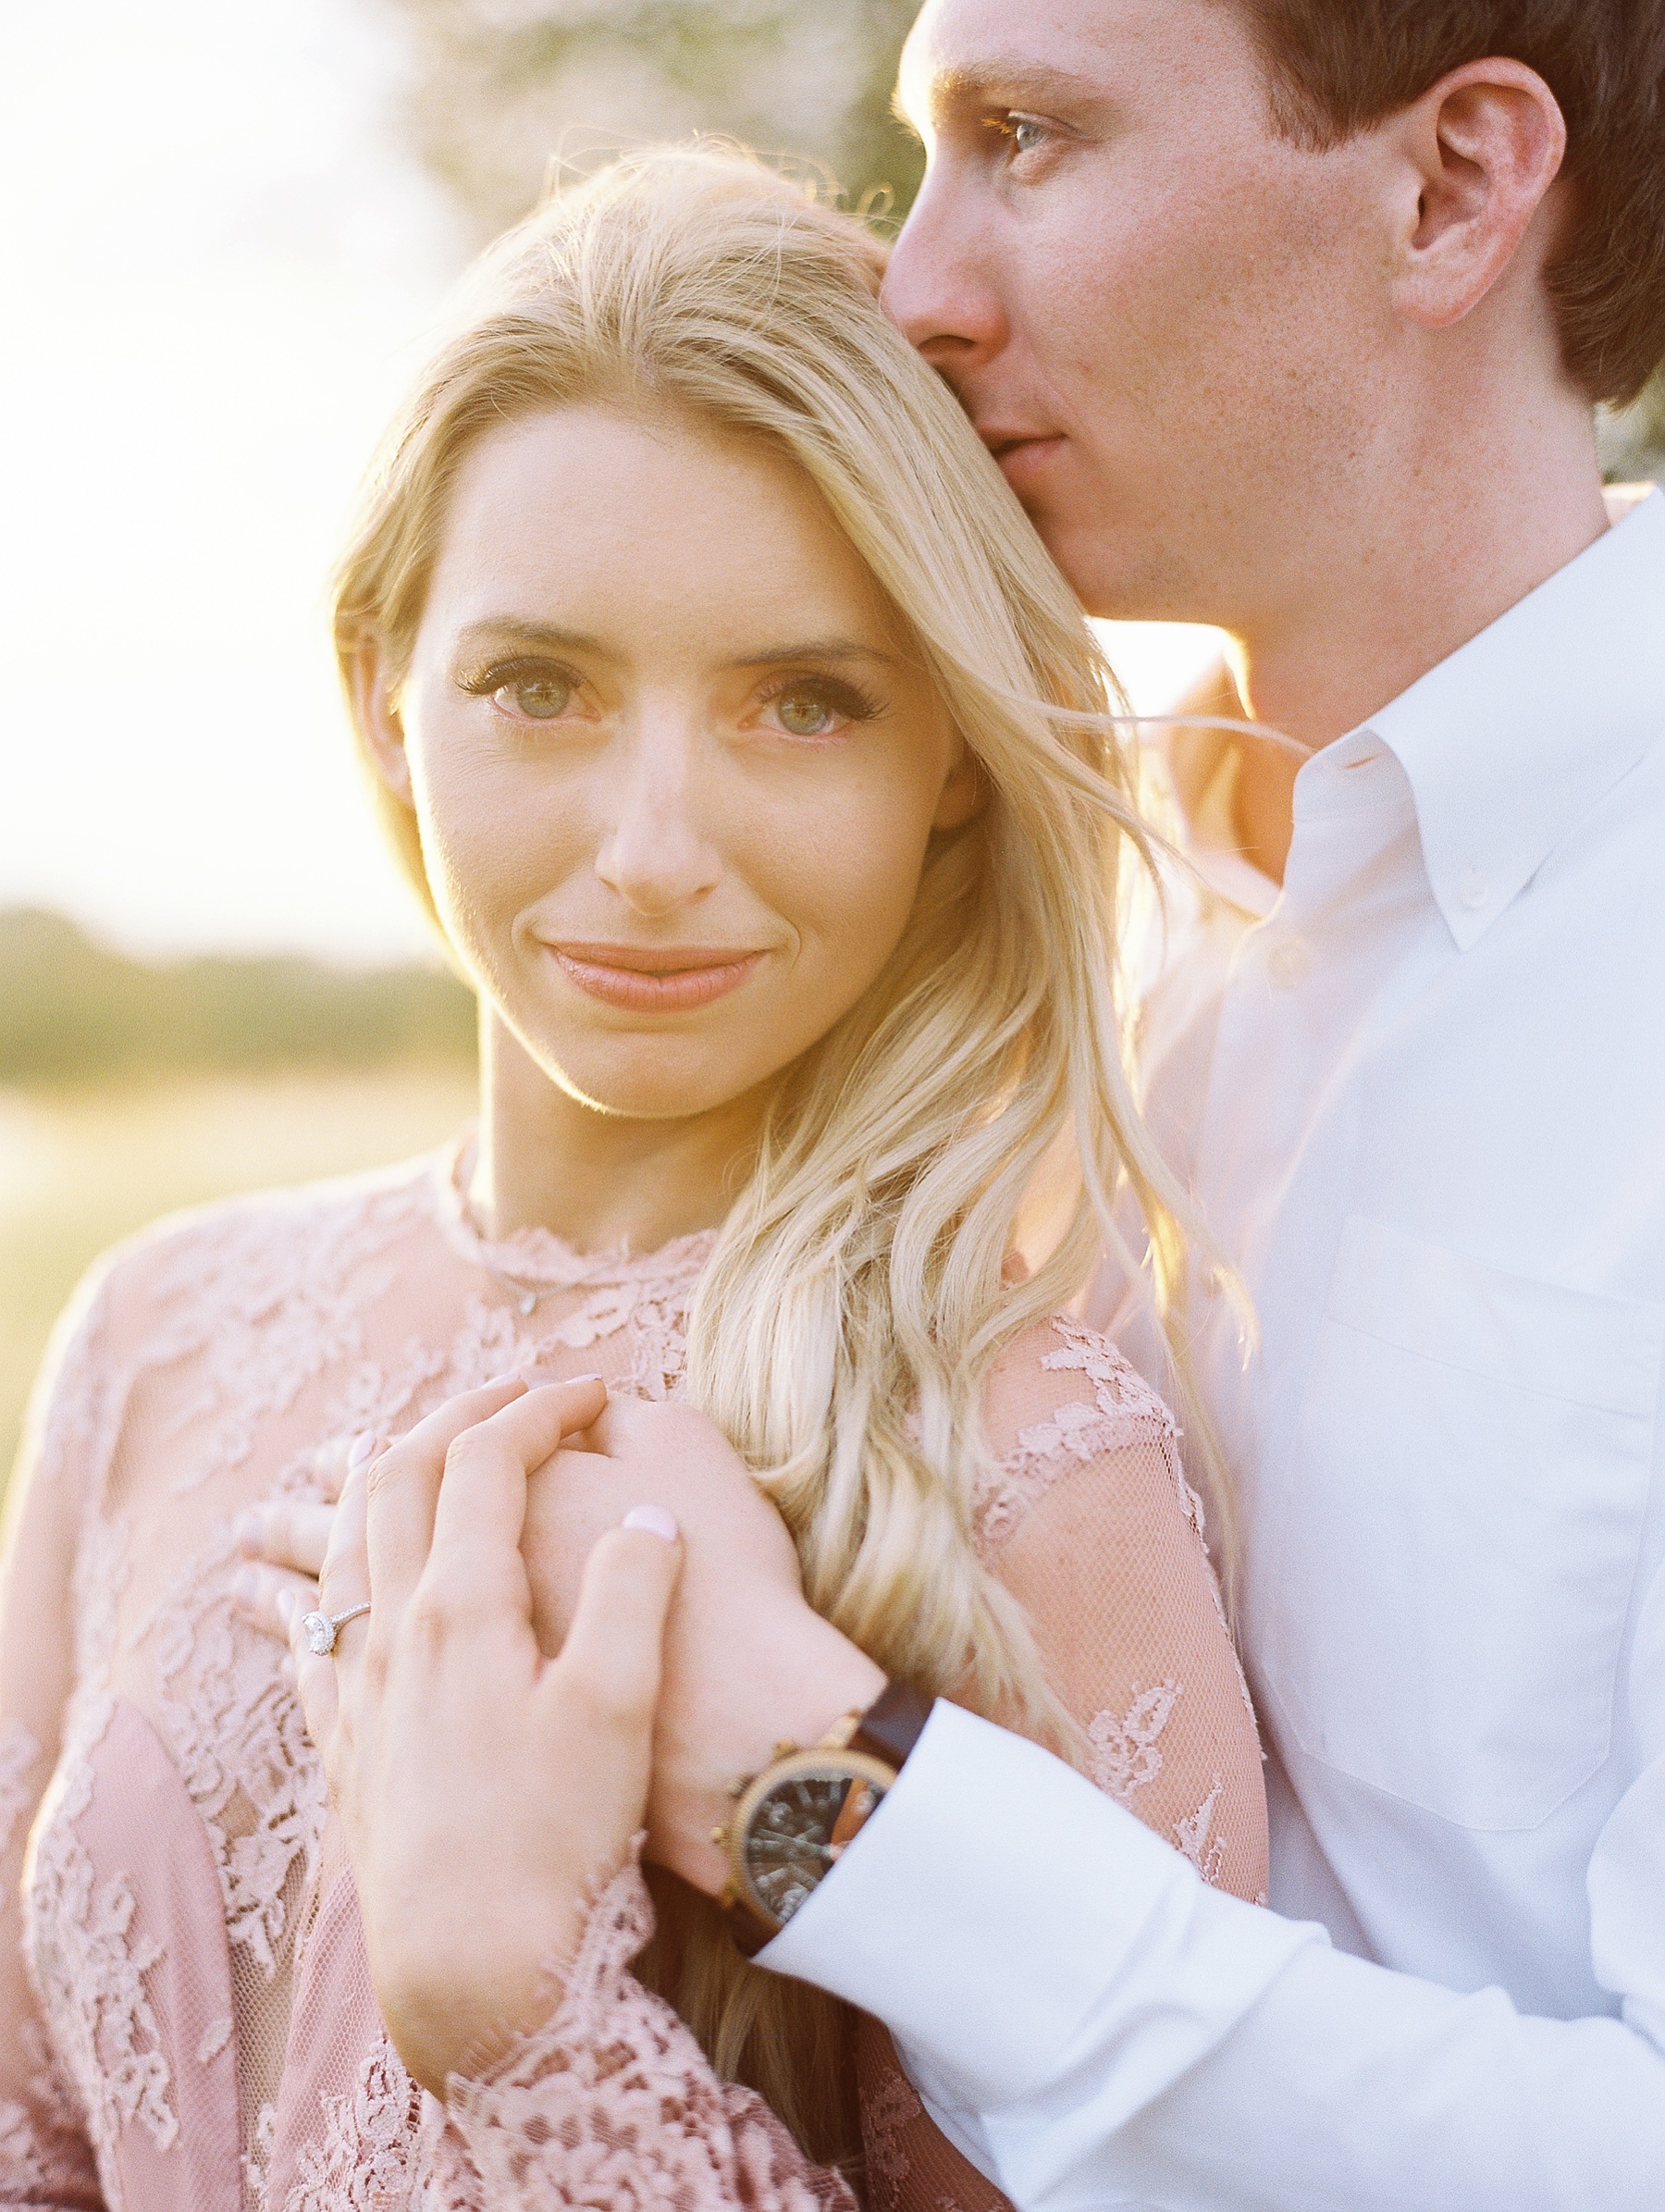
{"points": [[527, 1296]]}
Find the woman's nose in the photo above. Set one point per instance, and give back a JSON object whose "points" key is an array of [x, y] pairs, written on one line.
{"points": [[656, 854]]}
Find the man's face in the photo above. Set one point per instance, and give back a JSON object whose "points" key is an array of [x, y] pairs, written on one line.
{"points": [[1166, 320]]}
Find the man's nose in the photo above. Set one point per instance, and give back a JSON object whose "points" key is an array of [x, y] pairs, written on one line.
{"points": [[940, 290], [656, 854]]}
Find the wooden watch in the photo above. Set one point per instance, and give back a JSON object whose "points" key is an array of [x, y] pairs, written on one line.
{"points": [[793, 1822]]}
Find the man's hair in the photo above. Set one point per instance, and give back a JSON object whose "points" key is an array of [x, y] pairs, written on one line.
{"points": [[1340, 66]]}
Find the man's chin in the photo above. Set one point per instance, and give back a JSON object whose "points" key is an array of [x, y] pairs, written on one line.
{"points": [[1122, 574]]}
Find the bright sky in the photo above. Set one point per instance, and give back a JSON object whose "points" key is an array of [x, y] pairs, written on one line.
{"points": [[218, 265]]}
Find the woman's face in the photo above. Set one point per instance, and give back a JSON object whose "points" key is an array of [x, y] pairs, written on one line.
{"points": [[674, 769]]}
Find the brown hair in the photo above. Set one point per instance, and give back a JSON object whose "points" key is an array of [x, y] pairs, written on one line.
{"points": [[1340, 66]]}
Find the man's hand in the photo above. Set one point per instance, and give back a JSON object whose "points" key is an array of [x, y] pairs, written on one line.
{"points": [[748, 1665], [485, 1791]]}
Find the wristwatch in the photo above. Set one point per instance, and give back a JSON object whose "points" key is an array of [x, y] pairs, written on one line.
{"points": [[793, 1823]]}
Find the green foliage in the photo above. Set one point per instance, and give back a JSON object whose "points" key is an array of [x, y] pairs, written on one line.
{"points": [[73, 1011], [1632, 438], [505, 90]]}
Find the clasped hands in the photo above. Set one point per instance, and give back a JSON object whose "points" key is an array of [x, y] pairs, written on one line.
{"points": [[546, 1669]]}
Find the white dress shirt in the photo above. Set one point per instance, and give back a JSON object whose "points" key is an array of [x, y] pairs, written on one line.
{"points": [[1422, 1102]]}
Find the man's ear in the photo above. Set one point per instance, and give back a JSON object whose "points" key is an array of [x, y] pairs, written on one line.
{"points": [[1479, 152], [376, 711], [965, 794]]}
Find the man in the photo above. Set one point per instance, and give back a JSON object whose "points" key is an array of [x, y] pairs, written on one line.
{"points": [[1289, 315]]}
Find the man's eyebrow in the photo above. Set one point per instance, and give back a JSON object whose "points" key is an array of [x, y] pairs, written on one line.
{"points": [[1009, 83]]}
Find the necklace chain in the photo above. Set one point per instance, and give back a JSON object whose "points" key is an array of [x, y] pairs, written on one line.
{"points": [[527, 1296]]}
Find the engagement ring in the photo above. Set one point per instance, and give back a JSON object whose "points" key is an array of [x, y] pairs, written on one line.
{"points": [[321, 1627]]}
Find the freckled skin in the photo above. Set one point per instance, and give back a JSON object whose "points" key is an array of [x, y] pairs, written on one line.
{"points": [[1314, 396], [1167, 282]]}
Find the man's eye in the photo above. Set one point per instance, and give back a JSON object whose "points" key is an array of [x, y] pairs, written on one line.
{"points": [[1025, 134], [539, 698]]}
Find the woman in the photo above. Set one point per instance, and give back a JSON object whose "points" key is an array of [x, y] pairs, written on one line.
{"points": [[754, 763]]}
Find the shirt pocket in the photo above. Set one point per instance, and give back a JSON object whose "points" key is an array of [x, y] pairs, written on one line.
{"points": [[1458, 1531]]}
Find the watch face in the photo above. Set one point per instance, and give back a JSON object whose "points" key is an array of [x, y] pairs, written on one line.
{"points": [[798, 1829]]}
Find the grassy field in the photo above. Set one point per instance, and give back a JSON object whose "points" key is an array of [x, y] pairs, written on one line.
{"points": [[79, 1169]]}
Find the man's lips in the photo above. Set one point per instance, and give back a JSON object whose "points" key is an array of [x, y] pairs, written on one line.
{"points": [[1020, 453], [659, 979]]}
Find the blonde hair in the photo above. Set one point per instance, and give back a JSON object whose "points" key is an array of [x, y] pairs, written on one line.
{"points": [[844, 1329]]}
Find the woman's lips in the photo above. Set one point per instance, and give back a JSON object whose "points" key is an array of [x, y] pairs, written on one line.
{"points": [[666, 980]]}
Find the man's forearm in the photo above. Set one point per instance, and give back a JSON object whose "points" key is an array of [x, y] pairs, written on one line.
{"points": [[1095, 2026]]}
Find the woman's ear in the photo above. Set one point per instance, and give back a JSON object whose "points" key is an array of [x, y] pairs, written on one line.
{"points": [[965, 792], [376, 715]]}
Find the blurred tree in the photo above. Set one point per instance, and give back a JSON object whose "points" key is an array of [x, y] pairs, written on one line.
{"points": [[72, 1010], [503, 89], [1633, 439]]}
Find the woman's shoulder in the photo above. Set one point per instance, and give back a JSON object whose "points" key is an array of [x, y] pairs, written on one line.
{"points": [[172, 1284], [300, 1230], [263, 1266], [1064, 1401]]}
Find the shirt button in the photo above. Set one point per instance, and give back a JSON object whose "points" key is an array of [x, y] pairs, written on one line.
{"points": [[1289, 963], [1471, 889]]}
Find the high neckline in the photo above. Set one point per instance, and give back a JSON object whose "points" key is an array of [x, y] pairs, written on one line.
{"points": [[540, 1257]]}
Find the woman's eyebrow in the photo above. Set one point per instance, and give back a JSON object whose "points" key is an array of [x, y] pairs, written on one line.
{"points": [[511, 629], [815, 648]]}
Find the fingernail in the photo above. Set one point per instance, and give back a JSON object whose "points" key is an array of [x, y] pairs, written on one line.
{"points": [[250, 1529], [654, 1519], [494, 1382], [245, 1583], [285, 1604], [583, 1379], [361, 1449]]}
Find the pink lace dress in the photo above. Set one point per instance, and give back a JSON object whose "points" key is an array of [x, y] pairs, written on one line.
{"points": [[185, 2016]]}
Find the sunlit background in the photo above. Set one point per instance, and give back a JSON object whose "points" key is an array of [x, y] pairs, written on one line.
{"points": [[225, 231]]}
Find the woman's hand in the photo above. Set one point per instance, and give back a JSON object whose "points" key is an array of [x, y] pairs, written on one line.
{"points": [[485, 1790], [285, 1539]]}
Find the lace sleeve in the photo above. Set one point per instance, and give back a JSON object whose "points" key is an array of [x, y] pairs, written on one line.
{"points": [[1095, 1531], [614, 2105], [46, 2159], [1090, 1523]]}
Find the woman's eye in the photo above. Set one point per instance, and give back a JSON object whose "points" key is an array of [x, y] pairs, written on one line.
{"points": [[539, 698], [806, 714]]}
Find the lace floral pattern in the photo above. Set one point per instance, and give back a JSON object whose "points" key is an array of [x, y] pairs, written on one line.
{"points": [[1124, 1411], [87, 1959], [243, 1747], [365, 2160], [611, 2106], [240, 1339], [1123, 1754]]}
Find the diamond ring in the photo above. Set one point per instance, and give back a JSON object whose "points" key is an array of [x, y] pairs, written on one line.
{"points": [[321, 1627]]}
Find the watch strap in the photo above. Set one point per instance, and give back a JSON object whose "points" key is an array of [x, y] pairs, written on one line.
{"points": [[893, 1723]]}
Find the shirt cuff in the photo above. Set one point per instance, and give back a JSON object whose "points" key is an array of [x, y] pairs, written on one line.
{"points": [[985, 1908]]}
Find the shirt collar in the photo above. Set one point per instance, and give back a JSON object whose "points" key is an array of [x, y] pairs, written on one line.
{"points": [[1513, 739]]}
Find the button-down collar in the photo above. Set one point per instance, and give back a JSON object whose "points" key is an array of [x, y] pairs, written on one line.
{"points": [[1509, 742]]}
